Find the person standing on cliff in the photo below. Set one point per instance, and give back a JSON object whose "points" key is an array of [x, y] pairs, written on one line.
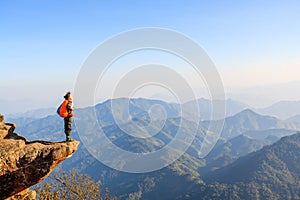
{"points": [[65, 110]]}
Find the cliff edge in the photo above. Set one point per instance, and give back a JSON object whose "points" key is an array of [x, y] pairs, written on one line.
{"points": [[24, 163]]}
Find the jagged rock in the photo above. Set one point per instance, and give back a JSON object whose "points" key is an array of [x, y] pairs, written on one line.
{"points": [[24, 163]]}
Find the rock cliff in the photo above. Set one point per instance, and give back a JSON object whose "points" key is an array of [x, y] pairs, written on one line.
{"points": [[24, 163]]}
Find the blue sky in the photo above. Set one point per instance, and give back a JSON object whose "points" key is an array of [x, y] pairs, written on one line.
{"points": [[44, 43]]}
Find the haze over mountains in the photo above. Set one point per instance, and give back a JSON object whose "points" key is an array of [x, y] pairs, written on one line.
{"points": [[295, 118], [285, 110], [282, 109], [246, 133], [248, 120]]}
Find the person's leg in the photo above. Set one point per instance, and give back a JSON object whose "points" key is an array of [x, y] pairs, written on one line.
{"points": [[68, 127]]}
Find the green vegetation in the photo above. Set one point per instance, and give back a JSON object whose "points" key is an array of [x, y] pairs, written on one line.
{"points": [[72, 185]]}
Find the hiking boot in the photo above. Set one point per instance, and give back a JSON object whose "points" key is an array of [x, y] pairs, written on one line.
{"points": [[69, 139]]}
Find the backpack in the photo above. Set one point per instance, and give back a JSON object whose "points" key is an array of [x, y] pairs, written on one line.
{"points": [[62, 109], [58, 110]]}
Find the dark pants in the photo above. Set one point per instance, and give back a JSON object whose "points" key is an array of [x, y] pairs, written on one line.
{"points": [[68, 125]]}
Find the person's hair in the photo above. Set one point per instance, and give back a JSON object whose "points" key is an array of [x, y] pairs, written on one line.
{"points": [[67, 95]]}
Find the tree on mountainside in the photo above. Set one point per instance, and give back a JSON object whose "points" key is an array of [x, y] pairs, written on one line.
{"points": [[72, 185]]}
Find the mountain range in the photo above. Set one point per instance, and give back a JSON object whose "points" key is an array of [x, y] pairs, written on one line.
{"points": [[248, 120], [284, 110], [230, 151], [270, 173], [281, 109], [190, 177]]}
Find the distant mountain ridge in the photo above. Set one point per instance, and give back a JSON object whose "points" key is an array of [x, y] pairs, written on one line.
{"points": [[29, 116], [138, 107], [35, 114], [295, 118], [281, 109], [248, 120], [205, 106]]}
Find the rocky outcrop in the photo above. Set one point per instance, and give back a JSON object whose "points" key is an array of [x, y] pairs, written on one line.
{"points": [[24, 163]]}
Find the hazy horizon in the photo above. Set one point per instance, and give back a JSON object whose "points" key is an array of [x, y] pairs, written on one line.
{"points": [[31, 105]]}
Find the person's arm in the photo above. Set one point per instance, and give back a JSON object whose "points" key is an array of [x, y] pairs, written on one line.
{"points": [[70, 106]]}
